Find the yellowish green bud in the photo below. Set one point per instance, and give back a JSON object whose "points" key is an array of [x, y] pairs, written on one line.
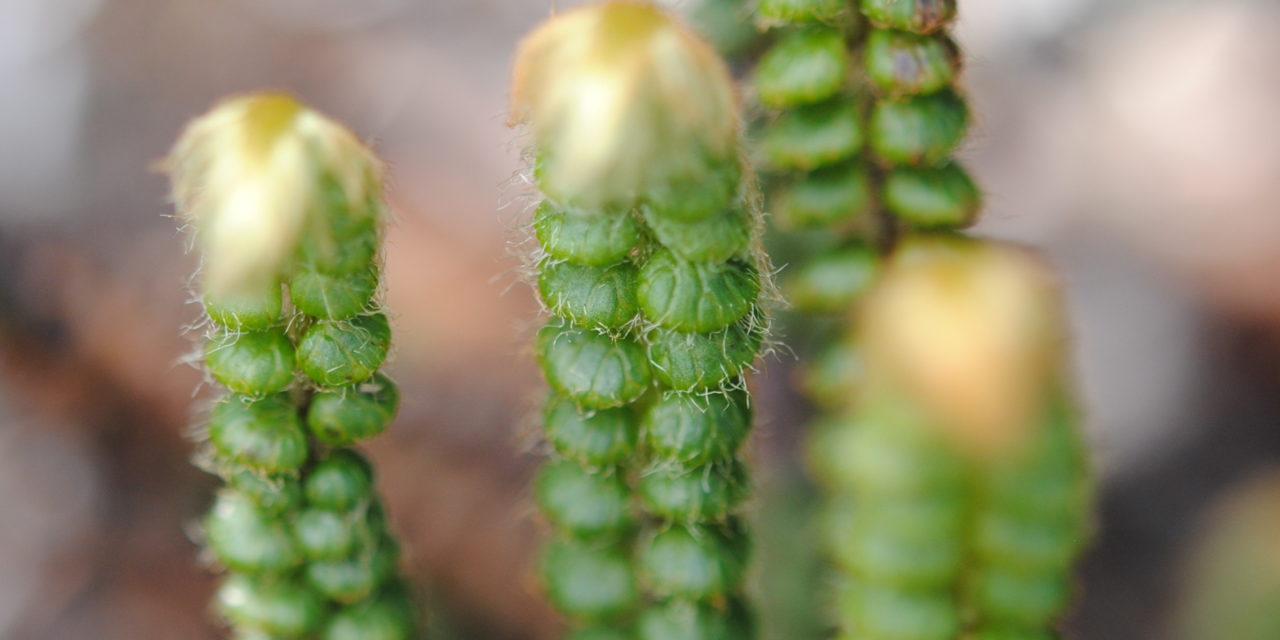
{"points": [[250, 176], [967, 331], [624, 104]]}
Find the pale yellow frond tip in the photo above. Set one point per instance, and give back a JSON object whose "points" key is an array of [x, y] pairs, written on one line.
{"points": [[249, 175], [971, 332], [621, 100]]}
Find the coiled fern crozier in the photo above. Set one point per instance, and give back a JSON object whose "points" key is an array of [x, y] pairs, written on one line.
{"points": [[650, 268], [280, 198]]}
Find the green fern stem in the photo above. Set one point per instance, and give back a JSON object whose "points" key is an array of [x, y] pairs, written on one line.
{"points": [[654, 293], [654, 326], [298, 528], [863, 119], [814, 143]]}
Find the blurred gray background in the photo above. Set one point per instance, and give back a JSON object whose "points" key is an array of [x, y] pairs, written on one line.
{"points": [[1135, 142]]}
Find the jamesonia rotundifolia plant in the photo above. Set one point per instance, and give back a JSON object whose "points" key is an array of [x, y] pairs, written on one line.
{"points": [[277, 196], [957, 477], [651, 270]]}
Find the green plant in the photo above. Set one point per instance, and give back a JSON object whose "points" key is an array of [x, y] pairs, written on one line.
{"points": [[958, 484], [277, 196], [650, 268], [864, 118]]}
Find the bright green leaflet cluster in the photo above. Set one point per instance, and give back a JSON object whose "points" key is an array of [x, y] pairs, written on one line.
{"points": [[865, 119], [919, 118], [814, 143], [655, 324], [299, 527]]}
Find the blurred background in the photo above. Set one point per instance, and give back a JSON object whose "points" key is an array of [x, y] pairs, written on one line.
{"points": [[1135, 142]]}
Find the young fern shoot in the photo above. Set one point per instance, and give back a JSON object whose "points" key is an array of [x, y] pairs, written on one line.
{"points": [[278, 197], [958, 479], [651, 270]]}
